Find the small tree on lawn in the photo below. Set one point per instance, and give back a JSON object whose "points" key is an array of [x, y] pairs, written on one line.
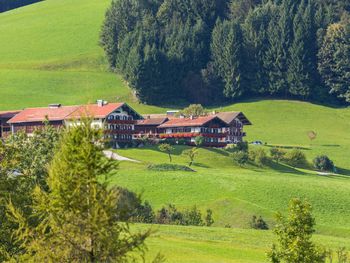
{"points": [[277, 154], [323, 163], [209, 218], [240, 158], [312, 135], [191, 153], [167, 148], [77, 214], [294, 235], [199, 141]]}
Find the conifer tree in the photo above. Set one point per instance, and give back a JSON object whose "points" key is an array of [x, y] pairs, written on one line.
{"points": [[78, 215], [334, 60], [228, 57]]}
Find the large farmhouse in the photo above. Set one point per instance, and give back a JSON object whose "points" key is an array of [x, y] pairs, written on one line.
{"points": [[122, 125]]}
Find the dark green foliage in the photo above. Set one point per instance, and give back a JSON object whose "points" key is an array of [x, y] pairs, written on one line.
{"points": [[228, 55], [213, 51], [131, 209], [23, 164], [323, 163], [294, 235], [296, 158], [209, 218], [240, 157], [170, 215], [258, 156], [6, 5], [258, 223], [169, 167], [277, 154], [334, 60]]}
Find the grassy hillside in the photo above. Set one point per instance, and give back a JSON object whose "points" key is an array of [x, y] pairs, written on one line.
{"points": [[50, 53]]}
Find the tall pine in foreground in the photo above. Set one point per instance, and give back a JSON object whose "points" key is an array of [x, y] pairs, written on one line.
{"points": [[78, 215]]}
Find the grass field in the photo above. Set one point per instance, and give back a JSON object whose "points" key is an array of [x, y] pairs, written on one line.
{"points": [[49, 53]]}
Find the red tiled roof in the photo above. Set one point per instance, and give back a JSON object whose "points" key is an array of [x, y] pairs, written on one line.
{"points": [[93, 110], [41, 114], [188, 122], [152, 121]]}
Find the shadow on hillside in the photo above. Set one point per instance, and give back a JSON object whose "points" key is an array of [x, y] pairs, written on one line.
{"points": [[343, 171], [330, 145], [288, 147], [202, 165], [218, 151], [282, 168]]}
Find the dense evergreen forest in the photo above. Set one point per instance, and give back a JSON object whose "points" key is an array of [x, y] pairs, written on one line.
{"points": [[209, 51], [6, 5]]}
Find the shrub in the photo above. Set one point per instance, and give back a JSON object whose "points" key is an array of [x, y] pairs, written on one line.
{"points": [[167, 148], [240, 157], [193, 217], [258, 223], [199, 141], [181, 142], [258, 156], [277, 154], [191, 154], [209, 218], [296, 158], [242, 146], [169, 167], [323, 163]]}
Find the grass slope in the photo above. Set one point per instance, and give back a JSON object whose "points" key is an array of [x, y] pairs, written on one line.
{"points": [[49, 53]]}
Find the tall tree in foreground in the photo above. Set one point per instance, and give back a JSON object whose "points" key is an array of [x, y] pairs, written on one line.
{"points": [[78, 215], [294, 235]]}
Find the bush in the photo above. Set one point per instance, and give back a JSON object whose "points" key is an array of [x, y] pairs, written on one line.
{"points": [[296, 158], [258, 223], [258, 156], [181, 142], [193, 217], [240, 157], [199, 141], [323, 163], [209, 218], [277, 154], [242, 146], [130, 207], [169, 167]]}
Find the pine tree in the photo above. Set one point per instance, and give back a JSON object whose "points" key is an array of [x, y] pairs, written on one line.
{"points": [[229, 58], [299, 75], [334, 60], [78, 215]]}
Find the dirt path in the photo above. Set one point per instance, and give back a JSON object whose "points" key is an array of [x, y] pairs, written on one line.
{"points": [[115, 156]]}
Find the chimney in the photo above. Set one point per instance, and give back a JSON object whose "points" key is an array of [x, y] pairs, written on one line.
{"points": [[191, 117], [100, 103], [182, 116], [214, 112], [54, 106]]}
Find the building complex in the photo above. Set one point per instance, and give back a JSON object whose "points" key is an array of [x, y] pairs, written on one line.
{"points": [[122, 125]]}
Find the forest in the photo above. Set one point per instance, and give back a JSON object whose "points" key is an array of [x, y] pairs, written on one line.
{"points": [[210, 52], [6, 5]]}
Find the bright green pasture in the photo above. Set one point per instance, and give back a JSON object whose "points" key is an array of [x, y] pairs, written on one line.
{"points": [[216, 245], [236, 194]]}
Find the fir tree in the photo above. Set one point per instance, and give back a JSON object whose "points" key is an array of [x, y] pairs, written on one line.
{"points": [[78, 215]]}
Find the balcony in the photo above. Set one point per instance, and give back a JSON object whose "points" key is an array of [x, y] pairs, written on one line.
{"points": [[191, 135], [121, 121]]}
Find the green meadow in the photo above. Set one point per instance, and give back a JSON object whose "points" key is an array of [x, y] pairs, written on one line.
{"points": [[49, 53]]}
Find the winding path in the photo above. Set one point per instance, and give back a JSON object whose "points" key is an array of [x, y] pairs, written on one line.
{"points": [[112, 155]]}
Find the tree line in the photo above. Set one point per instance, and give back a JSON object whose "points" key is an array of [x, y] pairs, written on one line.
{"points": [[6, 5], [208, 51]]}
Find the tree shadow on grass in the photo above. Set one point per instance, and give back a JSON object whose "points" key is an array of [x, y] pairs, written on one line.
{"points": [[343, 171], [282, 168], [288, 147], [218, 151], [202, 165]]}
